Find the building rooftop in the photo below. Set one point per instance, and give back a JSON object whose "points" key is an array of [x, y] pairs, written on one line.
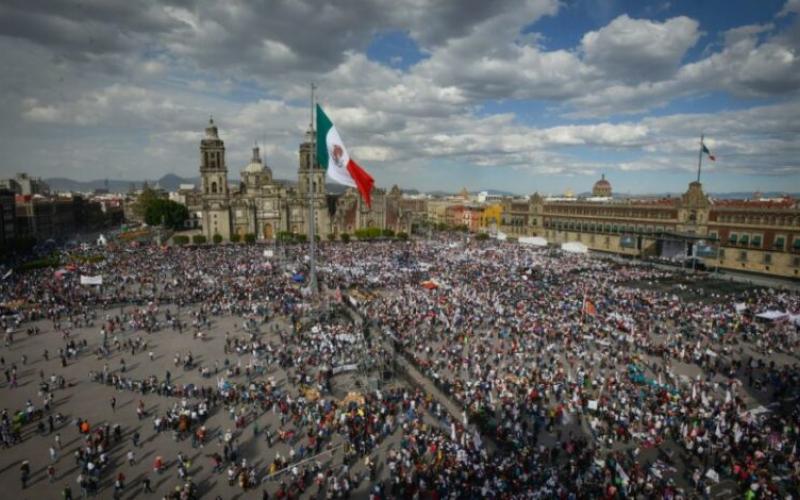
{"points": [[786, 202]]}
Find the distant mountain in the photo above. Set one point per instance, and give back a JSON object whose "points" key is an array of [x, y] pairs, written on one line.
{"points": [[490, 192], [169, 182], [172, 182], [737, 195]]}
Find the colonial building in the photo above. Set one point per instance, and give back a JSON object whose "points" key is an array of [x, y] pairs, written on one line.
{"points": [[262, 206], [752, 235], [388, 212]]}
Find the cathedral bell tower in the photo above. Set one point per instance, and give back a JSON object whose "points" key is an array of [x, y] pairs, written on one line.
{"points": [[214, 184], [213, 172], [311, 177], [311, 186]]}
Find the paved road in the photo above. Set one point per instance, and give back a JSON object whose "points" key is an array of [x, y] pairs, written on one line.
{"points": [[90, 400]]}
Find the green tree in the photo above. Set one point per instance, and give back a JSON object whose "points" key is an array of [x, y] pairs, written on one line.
{"points": [[369, 233], [402, 235], [236, 238], [144, 200], [481, 236], [217, 238], [198, 239], [331, 236], [249, 238], [286, 236], [172, 214], [180, 239], [387, 233], [345, 237]]}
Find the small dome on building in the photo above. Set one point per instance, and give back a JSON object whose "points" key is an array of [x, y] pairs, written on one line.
{"points": [[602, 187], [255, 166]]}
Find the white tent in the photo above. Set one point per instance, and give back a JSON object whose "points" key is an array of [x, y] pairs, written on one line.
{"points": [[772, 315], [502, 236], [537, 241], [574, 247], [102, 241]]}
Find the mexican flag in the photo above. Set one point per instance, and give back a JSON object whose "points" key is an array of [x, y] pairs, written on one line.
{"points": [[333, 157], [706, 151]]}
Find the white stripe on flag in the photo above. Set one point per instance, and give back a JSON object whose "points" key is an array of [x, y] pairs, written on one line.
{"points": [[337, 171]]}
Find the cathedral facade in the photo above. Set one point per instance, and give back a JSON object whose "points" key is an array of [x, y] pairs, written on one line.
{"points": [[261, 205]]}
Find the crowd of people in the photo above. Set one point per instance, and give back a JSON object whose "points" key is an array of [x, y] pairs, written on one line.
{"points": [[543, 373]]}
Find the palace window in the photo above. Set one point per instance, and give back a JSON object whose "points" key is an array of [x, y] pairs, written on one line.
{"points": [[721, 254], [767, 258], [779, 243], [743, 256], [732, 238], [744, 239], [756, 242], [796, 245]]}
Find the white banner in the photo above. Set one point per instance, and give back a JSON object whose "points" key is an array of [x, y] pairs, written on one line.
{"points": [[91, 280], [344, 368], [268, 253]]}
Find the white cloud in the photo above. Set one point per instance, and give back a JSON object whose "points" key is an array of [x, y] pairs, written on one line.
{"points": [[184, 61], [790, 7], [638, 49]]}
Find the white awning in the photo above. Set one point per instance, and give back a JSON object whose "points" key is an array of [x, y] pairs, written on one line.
{"points": [[574, 247], [537, 241]]}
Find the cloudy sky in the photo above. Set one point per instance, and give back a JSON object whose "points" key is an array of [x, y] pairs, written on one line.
{"points": [[518, 95]]}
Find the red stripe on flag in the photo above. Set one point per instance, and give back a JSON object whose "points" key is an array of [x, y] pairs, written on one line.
{"points": [[363, 180], [711, 157]]}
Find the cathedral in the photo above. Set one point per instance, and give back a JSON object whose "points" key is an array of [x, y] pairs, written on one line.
{"points": [[266, 207]]}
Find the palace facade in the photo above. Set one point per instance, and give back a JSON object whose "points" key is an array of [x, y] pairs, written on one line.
{"points": [[753, 235]]}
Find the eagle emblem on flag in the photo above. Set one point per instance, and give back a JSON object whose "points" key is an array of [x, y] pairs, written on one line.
{"points": [[337, 154]]}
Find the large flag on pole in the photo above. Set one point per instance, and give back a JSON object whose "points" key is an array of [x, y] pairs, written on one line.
{"points": [[333, 157]]}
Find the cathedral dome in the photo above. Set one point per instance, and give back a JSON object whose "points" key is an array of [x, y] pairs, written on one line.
{"points": [[602, 187], [255, 166]]}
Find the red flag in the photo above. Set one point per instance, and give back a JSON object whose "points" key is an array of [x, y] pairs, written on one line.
{"points": [[589, 308]]}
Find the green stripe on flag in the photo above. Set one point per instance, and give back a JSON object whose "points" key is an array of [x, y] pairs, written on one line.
{"points": [[324, 124]]}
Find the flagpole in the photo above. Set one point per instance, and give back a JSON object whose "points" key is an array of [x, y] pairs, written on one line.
{"points": [[312, 281], [700, 158]]}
